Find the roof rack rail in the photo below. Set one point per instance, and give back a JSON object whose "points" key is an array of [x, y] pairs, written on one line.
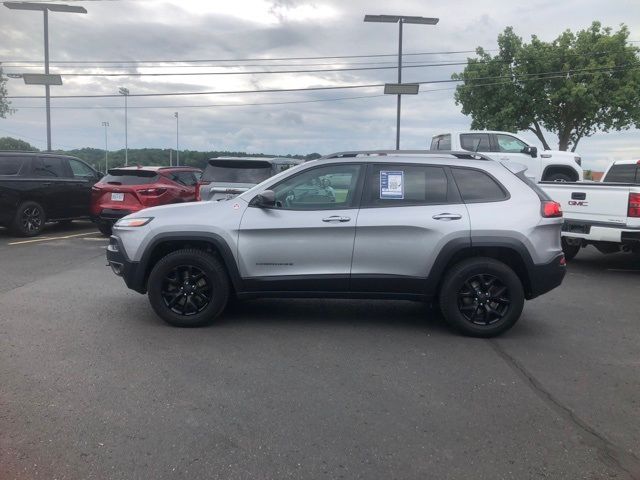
{"points": [[381, 153]]}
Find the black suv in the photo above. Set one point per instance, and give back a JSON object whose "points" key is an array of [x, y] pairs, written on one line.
{"points": [[39, 187]]}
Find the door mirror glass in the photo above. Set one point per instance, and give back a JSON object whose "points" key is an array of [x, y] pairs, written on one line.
{"points": [[265, 199], [533, 151]]}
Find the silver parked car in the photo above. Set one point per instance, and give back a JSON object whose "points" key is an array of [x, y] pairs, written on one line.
{"points": [[472, 234], [226, 177]]}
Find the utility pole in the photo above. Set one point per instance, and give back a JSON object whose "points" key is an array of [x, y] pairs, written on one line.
{"points": [[399, 88], [125, 92], [46, 80], [106, 148], [177, 140]]}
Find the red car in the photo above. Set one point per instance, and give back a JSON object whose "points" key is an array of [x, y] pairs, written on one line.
{"points": [[129, 189]]}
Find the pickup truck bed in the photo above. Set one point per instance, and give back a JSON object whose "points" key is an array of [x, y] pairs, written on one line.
{"points": [[606, 215]]}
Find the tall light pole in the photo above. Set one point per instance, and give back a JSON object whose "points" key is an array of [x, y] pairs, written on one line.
{"points": [[400, 20], [106, 148], [45, 8], [177, 140], [125, 92]]}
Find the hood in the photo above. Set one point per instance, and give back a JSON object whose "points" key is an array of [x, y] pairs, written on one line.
{"points": [[190, 208]]}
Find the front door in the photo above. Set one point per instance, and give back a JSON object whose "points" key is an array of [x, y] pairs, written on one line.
{"points": [[304, 242], [509, 149]]}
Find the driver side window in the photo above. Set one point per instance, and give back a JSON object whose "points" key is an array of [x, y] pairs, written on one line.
{"points": [[330, 187], [509, 144]]}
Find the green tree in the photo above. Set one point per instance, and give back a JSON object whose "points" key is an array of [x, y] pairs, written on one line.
{"points": [[8, 143], [573, 86], [4, 103]]}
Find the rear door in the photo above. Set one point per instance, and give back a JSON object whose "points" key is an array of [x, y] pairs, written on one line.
{"points": [[52, 176], [409, 212], [305, 242]]}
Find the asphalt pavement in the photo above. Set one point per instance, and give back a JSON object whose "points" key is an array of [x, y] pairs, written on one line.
{"points": [[94, 386]]}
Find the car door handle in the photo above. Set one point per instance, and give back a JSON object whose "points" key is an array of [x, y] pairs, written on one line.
{"points": [[336, 218], [447, 216]]}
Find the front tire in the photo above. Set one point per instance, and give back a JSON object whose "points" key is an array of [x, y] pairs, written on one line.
{"points": [[29, 220], [188, 288], [481, 297]]}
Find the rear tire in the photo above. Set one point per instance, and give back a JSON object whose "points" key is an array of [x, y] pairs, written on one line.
{"points": [[570, 251], [188, 288], [105, 229], [29, 220], [481, 297]]}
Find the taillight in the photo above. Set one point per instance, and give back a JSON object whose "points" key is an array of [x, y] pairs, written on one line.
{"points": [[634, 205], [152, 192], [198, 187], [551, 209]]}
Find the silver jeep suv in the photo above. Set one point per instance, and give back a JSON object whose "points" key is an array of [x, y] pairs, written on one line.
{"points": [[453, 227]]}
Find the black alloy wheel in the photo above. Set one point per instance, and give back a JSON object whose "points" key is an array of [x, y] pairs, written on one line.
{"points": [[188, 287], [31, 220], [481, 297], [483, 300], [186, 290]]}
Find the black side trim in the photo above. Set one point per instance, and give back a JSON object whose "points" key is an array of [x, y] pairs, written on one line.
{"points": [[445, 256], [220, 245], [297, 283]]}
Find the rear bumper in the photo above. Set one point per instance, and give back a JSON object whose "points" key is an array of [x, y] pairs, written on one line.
{"points": [[600, 233], [133, 275], [545, 277]]}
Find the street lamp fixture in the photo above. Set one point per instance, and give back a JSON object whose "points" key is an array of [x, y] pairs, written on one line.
{"points": [[398, 88], [125, 92], [45, 8]]}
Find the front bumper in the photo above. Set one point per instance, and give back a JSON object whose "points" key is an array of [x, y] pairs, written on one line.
{"points": [[546, 277], [133, 275]]}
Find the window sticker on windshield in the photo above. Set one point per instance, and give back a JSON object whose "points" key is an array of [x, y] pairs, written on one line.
{"points": [[392, 185]]}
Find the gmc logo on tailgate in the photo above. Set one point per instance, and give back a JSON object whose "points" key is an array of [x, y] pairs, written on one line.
{"points": [[578, 203]]}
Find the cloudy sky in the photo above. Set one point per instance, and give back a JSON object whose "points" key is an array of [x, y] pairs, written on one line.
{"points": [[250, 31]]}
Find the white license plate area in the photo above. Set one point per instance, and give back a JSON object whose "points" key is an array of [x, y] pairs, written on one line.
{"points": [[117, 197]]}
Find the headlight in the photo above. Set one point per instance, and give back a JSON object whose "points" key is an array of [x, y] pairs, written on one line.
{"points": [[133, 222], [578, 160]]}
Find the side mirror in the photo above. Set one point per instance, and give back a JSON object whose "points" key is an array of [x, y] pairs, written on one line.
{"points": [[265, 199], [533, 151]]}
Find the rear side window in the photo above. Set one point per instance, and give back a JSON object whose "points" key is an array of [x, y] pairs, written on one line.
{"points": [[49, 167], [240, 173], [475, 142], [185, 178], [130, 178], [12, 165], [623, 173], [441, 142], [403, 185], [80, 170], [542, 195], [477, 186]]}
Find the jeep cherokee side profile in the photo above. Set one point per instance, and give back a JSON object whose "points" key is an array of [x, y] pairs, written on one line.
{"points": [[454, 227]]}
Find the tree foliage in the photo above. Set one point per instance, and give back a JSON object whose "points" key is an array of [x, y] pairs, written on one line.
{"points": [[573, 86], [8, 143]]}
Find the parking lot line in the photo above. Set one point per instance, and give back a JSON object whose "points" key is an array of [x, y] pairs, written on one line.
{"points": [[46, 239]]}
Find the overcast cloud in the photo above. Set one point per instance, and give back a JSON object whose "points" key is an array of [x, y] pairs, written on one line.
{"points": [[191, 29]]}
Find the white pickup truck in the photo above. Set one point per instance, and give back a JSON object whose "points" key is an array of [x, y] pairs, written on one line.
{"points": [[604, 214], [543, 165]]}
